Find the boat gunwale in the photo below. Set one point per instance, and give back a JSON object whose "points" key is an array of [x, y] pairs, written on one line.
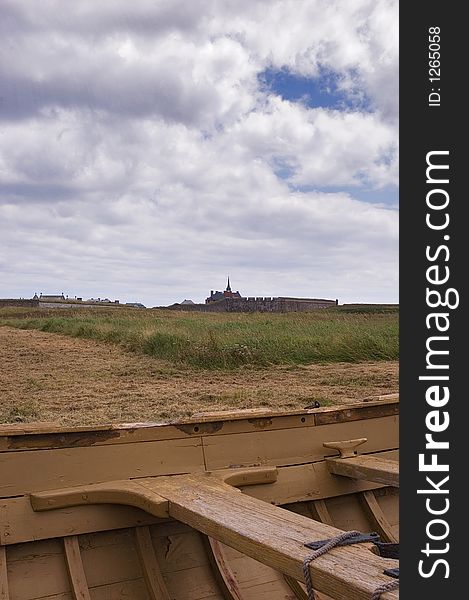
{"points": [[25, 429], [39, 438]]}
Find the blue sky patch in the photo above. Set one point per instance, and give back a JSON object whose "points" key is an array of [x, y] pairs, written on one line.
{"points": [[313, 92], [388, 195]]}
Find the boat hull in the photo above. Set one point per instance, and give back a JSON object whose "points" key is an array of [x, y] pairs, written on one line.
{"points": [[112, 551]]}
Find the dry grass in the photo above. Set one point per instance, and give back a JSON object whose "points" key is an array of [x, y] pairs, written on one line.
{"points": [[69, 381]]}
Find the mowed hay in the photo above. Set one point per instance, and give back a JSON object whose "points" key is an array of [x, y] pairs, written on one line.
{"points": [[73, 381]]}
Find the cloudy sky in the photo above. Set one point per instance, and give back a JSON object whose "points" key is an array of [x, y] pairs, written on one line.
{"points": [[150, 148]]}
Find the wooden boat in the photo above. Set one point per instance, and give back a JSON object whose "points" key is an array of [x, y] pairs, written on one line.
{"points": [[217, 507]]}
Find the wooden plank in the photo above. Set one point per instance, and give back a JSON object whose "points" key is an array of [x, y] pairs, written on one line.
{"points": [[20, 523], [130, 493], [37, 570], [110, 557], [116, 435], [25, 471], [294, 447], [248, 476], [194, 584], [34, 437], [84, 436], [347, 513], [134, 589], [151, 571], [310, 482], [64, 596], [269, 533], [274, 535], [75, 569], [370, 468], [379, 519], [179, 551], [4, 593], [354, 413]]}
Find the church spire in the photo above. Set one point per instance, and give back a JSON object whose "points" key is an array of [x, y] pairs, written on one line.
{"points": [[228, 287]]}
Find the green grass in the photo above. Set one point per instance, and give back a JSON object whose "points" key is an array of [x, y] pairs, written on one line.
{"points": [[212, 340]]}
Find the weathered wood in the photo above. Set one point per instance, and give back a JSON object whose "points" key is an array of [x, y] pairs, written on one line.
{"points": [[372, 468], [151, 571], [110, 557], [255, 580], [33, 471], [20, 523], [374, 511], [4, 593], [222, 572], [271, 534], [76, 573], [37, 570], [310, 482], [371, 410], [129, 493], [33, 436], [268, 533], [183, 562], [110, 561], [319, 512], [135, 589], [285, 447], [28, 471], [248, 476]]}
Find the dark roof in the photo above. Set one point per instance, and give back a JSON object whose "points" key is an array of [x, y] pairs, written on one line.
{"points": [[217, 296]]}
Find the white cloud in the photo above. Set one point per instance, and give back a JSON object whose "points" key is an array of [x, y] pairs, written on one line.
{"points": [[140, 155]]}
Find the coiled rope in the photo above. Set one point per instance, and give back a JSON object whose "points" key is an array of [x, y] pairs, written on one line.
{"points": [[346, 538]]}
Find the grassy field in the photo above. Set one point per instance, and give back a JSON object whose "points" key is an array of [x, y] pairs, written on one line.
{"points": [[227, 340], [127, 365]]}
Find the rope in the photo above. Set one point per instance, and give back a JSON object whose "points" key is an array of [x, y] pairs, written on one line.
{"points": [[385, 587], [332, 543], [326, 547]]}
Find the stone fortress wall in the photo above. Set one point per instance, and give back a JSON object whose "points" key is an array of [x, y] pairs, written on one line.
{"points": [[252, 304]]}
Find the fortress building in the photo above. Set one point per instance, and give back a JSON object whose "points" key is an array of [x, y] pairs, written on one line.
{"points": [[215, 296], [229, 301]]}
